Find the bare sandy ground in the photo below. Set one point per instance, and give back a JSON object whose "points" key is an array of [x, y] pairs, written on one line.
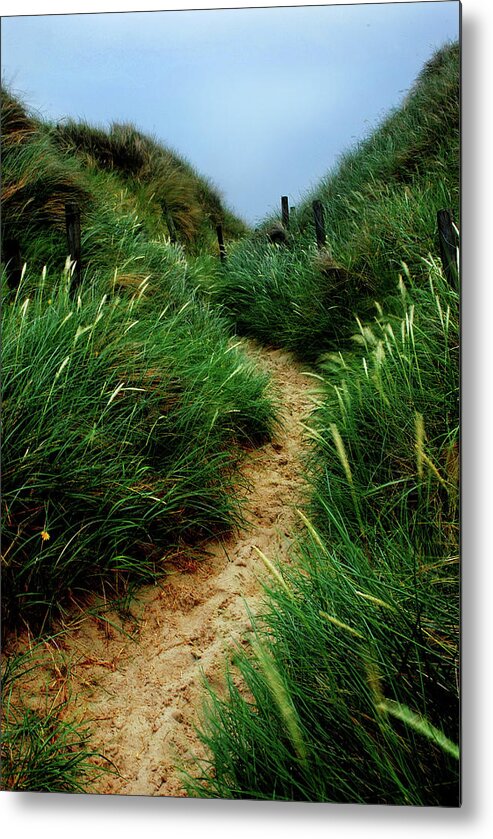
{"points": [[142, 693]]}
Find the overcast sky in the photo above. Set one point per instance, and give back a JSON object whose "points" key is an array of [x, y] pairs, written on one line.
{"points": [[262, 101]]}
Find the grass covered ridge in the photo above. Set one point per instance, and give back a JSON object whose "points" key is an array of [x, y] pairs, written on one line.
{"points": [[122, 428], [126, 409], [134, 195], [380, 205]]}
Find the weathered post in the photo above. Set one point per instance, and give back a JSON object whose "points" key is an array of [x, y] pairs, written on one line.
{"points": [[285, 211], [72, 223], [13, 261], [448, 246], [318, 215], [222, 249]]}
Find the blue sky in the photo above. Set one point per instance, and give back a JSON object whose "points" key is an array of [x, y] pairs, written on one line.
{"points": [[261, 100]]}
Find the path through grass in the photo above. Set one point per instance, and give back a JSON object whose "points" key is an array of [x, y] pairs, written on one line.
{"points": [[141, 693]]}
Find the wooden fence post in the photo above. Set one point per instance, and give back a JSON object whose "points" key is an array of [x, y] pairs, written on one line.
{"points": [[13, 261], [285, 211], [222, 249], [318, 215], [448, 246], [72, 223]]}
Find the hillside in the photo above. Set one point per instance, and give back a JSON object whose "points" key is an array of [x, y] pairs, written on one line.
{"points": [[349, 690], [135, 196], [380, 205]]}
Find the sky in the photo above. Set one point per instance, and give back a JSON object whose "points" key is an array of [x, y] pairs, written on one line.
{"points": [[260, 100]]}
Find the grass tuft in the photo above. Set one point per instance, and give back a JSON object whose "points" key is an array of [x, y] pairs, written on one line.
{"points": [[43, 749]]}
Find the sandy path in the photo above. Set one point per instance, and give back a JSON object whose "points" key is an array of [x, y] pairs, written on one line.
{"points": [[143, 699]]}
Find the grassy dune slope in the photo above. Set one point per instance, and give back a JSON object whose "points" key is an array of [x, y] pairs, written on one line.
{"points": [[380, 204], [125, 410], [124, 407], [134, 195], [353, 673]]}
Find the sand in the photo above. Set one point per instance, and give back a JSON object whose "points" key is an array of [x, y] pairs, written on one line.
{"points": [[142, 692]]}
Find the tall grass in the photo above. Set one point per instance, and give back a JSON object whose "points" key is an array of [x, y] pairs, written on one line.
{"points": [[43, 748], [352, 680], [380, 203], [126, 410], [397, 396], [123, 425], [282, 296]]}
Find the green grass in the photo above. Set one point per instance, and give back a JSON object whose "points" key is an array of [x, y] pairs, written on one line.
{"points": [[380, 203], [124, 423], [349, 692], [127, 409], [352, 678], [280, 296], [135, 195], [42, 749]]}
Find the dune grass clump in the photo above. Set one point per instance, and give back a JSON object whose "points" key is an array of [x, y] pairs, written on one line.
{"points": [[282, 296], [352, 690], [123, 424], [37, 182], [189, 204], [43, 749], [380, 205], [399, 391]]}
